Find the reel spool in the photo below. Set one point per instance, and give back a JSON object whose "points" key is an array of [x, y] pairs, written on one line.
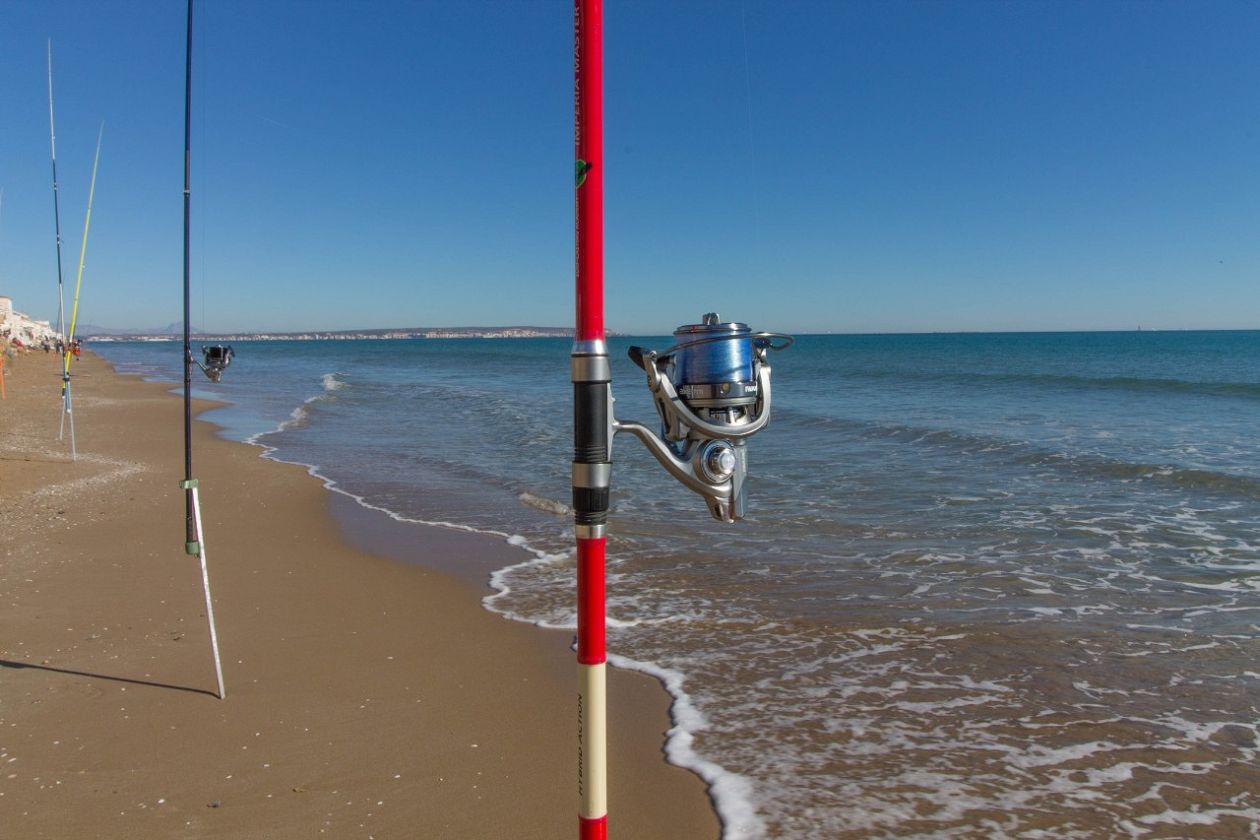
{"points": [[712, 392]]}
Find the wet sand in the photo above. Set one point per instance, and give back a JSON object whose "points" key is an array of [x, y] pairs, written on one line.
{"points": [[366, 697]]}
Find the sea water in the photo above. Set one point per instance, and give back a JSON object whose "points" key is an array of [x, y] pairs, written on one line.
{"points": [[1001, 585]]}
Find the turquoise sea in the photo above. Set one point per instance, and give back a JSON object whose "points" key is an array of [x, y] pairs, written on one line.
{"points": [[990, 585]]}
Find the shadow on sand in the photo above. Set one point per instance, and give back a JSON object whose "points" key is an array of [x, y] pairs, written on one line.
{"points": [[6, 663]]}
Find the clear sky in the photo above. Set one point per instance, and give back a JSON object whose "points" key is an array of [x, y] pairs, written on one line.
{"points": [[834, 166]]}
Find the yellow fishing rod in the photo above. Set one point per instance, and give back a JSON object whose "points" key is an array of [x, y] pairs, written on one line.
{"points": [[74, 312]]}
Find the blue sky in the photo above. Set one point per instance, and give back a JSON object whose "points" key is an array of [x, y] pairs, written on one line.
{"points": [[849, 167]]}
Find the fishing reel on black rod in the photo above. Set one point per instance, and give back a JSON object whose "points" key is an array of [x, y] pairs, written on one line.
{"points": [[712, 393], [217, 358]]}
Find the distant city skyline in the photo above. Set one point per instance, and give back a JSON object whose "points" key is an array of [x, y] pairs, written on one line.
{"points": [[805, 167]]}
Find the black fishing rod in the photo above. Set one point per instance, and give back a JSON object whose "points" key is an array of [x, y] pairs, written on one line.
{"points": [[194, 543], [61, 294], [190, 524], [52, 146]]}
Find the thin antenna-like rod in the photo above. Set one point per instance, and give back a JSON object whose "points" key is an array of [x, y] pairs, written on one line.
{"points": [[190, 526], [57, 209], [78, 286], [61, 294]]}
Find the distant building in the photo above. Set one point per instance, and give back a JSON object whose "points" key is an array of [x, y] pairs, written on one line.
{"points": [[14, 324]]}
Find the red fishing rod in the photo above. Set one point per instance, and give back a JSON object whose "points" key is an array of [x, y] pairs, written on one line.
{"points": [[711, 390], [591, 376]]}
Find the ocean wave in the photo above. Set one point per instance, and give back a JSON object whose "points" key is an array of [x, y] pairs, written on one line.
{"points": [[147, 372], [1023, 453], [301, 415], [1157, 385], [298, 418], [1189, 478]]}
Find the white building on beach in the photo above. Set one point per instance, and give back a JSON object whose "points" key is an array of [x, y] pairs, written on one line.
{"points": [[14, 324]]}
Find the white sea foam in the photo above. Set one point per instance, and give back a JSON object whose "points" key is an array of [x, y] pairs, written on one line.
{"points": [[297, 418], [1205, 816], [499, 583], [1160, 627], [732, 793]]}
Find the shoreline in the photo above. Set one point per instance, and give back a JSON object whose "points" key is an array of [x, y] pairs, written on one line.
{"points": [[83, 531], [384, 532]]}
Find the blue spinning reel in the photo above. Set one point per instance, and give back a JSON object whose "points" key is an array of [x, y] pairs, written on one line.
{"points": [[712, 392]]}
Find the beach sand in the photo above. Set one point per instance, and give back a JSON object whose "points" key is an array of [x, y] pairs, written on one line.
{"points": [[366, 697]]}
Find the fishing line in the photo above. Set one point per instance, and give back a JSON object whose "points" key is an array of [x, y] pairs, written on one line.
{"points": [[201, 81], [754, 202]]}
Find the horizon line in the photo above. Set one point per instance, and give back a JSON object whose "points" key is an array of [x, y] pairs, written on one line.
{"points": [[117, 333]]}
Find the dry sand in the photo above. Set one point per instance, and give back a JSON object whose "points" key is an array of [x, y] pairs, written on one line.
{"points": [[365, 697]]}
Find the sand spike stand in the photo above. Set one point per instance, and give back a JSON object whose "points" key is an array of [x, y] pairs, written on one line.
{"points": [[591, 376], [199, 548]]}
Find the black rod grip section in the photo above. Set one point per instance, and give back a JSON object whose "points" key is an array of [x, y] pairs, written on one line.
{"points": [[590, 446], [590, 422], [590, 505]]}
